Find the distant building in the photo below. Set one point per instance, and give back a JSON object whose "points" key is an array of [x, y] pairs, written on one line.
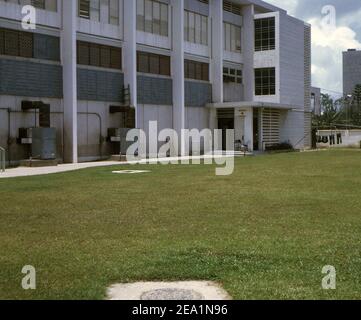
{"points": [[351, 70], [316, 100]]}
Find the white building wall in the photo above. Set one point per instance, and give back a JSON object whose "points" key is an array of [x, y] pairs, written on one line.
{"points": [[197, 118], [292, 67]]}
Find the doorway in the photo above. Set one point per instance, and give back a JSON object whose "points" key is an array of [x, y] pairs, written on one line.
{"points": [[225, 122]]}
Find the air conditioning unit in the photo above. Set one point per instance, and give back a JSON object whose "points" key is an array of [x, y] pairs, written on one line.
{"points": [[44, 143]]}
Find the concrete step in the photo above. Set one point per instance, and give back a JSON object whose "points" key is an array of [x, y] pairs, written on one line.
{"points": [[31, 163], [118, 157]]}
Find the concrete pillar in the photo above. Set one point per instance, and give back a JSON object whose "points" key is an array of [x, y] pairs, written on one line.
{"points": [[213, 124], [216, 13], [248, 128], [178, 70], [248, 52], [68, 45], [243, 126], [130, 52]]}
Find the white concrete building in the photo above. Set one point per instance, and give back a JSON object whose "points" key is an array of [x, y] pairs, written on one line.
{"points": [[103, 65]]}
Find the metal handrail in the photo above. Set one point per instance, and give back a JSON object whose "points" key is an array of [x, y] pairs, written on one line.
{"points": [[2, 159]]}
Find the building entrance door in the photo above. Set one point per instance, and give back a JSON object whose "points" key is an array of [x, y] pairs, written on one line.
{"points": [[224, 125]]}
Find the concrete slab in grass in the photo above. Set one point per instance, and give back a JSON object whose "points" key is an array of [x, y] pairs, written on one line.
{"points": [[189, 290]]}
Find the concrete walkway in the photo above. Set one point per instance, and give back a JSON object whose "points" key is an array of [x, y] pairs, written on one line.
{"points": [[28, 172]]}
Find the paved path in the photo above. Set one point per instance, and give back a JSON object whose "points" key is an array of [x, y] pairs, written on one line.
{"points": [[27, 172]]}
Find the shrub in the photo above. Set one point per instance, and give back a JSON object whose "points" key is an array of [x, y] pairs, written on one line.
{"points": [[280, 147]]}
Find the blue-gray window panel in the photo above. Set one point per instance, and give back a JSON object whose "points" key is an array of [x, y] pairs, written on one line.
{"points": [[30, 79], [197, 94], [153, 90], [100, 85]]}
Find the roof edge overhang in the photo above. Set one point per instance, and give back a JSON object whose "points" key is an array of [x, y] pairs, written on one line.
{"points": [[253, 105]]}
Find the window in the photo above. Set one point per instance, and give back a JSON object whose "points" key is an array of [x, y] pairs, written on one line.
{"points": [[50, 5], [196, 70], [265, 34], [195, 28], [231, 75], [21, 44], [89, 9], [232, 37], [153, 63], [16, 43], [152, 17], [265, 81], [114, 12], [95, 10], [91, 54], [38, 4]]}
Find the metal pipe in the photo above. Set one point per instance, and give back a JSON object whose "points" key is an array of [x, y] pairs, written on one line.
{"points": [[2, 159], [59, 113], [8, 140]]}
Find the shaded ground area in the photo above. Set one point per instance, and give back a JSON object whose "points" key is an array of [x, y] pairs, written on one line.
{"points": [[264, 232]]}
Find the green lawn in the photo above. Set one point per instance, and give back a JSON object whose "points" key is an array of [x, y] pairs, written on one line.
{"points": [[264, 232]]}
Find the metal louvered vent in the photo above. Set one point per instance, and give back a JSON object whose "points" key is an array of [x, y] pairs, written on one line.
{"points": [[271, 127], [232, 8], [84, 9], [225, 113]]}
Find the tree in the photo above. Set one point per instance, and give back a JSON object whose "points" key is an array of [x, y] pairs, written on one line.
{"points": [[330, 111]]}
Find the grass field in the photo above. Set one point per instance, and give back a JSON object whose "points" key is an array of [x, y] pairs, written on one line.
{"points": [[263, 233]]}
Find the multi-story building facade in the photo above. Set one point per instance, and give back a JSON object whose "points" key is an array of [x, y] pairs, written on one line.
{"points": [[351, 70], [102, 64]]}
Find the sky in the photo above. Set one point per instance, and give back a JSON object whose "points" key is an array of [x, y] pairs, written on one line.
{"points": [[336, 27]]}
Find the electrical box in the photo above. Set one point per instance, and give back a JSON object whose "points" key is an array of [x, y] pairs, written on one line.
{"points": [[119, 135], [43, 143], [25, 136]]}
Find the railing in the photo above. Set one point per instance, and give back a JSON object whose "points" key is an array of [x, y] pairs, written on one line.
{"points": [[2, 159]]}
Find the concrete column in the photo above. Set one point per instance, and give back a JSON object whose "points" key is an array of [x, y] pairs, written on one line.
{"points": [[213, 124], [243, 126], [248, 52], [216, 13], [248, 128], [130, 52], [68, 44], [178, 70]]}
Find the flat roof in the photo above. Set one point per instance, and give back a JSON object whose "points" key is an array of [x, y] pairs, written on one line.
{"points": [[260, 5], [251, 104]]}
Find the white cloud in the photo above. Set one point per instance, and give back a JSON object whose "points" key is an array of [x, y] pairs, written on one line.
{"points": [[328, 43]]}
